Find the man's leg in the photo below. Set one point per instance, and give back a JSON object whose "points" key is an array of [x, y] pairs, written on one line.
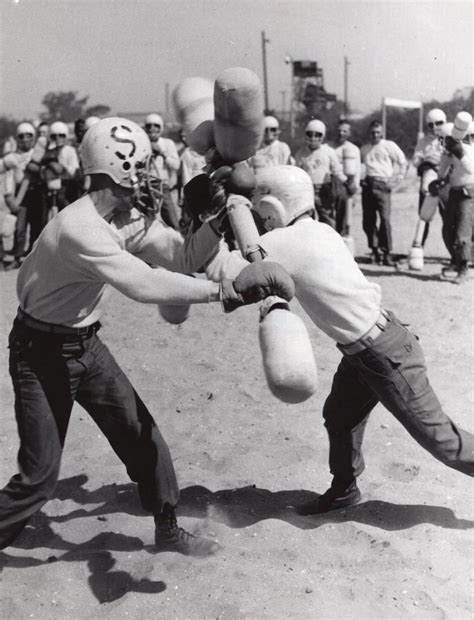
{"points": [[44, 393], [369, 221], [108, 396], [384, 207], [395, 370], [346, 412], [462, 245]]}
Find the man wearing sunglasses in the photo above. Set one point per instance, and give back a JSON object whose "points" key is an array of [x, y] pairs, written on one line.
{"points": [[273, 152], [380, 158], [427, 156], [322, 164], [166, 164], [63, 165]]}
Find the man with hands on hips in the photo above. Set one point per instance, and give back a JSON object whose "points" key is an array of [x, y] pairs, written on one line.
{"points": [[110, 236]]}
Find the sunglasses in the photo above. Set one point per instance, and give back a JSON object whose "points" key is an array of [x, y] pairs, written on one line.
{"points": [[376, 133], [22, 136], [313, 134], [54, 136], [151, 125], [271, 129], [437, 123]]}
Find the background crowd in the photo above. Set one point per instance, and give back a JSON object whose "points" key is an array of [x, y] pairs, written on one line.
{"points": [[36, 184]]}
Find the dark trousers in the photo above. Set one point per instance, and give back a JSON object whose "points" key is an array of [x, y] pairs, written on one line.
{"points": [[376, 201], [324, 204], [33, 213], [49, 373], [341, 200], [421, 199], [457, 225], [393, 372]]}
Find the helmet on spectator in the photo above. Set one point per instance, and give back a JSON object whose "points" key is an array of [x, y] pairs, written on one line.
{"points": [[91, 120], [270, 122], [436, 116], [59, 128], [282, 193], [116, 147], [316, 126], [25, 128]]}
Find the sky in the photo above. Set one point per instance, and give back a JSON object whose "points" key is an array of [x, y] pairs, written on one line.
{"points": [[130, 54]]}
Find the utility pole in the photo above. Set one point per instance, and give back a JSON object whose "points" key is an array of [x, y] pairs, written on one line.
{"points": [[283, 103], [265, 79], [167, 99], [346, 100]]}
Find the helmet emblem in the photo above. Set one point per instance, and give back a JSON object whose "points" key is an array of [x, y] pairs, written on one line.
{"points": [[118, 136]]}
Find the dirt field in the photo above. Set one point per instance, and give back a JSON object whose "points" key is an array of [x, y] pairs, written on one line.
{"points": [[243, 460]]}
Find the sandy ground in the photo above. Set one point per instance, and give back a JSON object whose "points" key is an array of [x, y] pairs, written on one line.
{"points": [[243, 459]]}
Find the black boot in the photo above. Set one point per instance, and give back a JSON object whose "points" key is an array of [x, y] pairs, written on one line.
{"points": [[388, 260], [341, 494], [170, 537], [376, 259]]}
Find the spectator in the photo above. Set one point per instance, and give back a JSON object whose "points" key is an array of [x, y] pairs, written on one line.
{"points": [[349, 157], [166, 164], [321, 163], [27, 204], [273, 152], [427, 156], [379, 157], [61, 168]]}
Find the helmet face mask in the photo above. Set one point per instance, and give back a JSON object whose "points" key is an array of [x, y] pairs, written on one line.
{"points": [[435, 120], [271, 129], [314, 133], [147, 189]]}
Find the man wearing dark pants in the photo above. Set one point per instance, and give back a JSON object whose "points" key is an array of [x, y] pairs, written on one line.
{"points": [[379, 157], [110, 236]]}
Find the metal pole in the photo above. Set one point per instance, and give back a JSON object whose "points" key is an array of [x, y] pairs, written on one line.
{"points": [[265, 78], [346, 103], [167, 98], [384, 119], [283, 103]]}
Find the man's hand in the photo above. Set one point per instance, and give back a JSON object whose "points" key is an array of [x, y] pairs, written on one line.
{"points": [[256, 282], [351, 186], [12, 204], [55, 168]]}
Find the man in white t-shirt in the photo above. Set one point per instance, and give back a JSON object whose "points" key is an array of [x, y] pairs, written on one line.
{"points": [[109, 237], [349, 156], [382, 360]]}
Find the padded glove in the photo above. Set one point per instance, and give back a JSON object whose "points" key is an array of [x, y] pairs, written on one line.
{"points": [[255, 282], [454, 147]]}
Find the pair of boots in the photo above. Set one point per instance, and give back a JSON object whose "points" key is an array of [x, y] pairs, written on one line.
{"points": [[456, 272], [341, 494], [170, 537], [385, 259]]}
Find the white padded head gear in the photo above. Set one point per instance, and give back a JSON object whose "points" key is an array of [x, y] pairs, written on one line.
{"points": [[58, 127], [25, 128], [154, 119], [116, 147], [270, 122], [316, 125], [282, 193], [435, 116]]}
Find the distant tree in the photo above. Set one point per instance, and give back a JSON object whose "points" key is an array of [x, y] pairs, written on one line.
{"points": [[63, 106], [98, 110]]}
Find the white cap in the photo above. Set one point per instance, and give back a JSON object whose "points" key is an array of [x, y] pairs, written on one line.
{"points": [[154, 119]]}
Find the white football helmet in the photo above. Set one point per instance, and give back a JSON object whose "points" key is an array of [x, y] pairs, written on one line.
{"points": [[435, 116], [316, 126], [282, 193], [91, 120], [270, 122], [58, 127], [25, 128]]}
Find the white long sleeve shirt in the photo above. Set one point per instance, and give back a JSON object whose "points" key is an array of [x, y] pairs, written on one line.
{"points": [[380, 159], [349, 156], [427, 149], [274, 154], [167, 165], [328, 283], [64, 278], [320, 164]]}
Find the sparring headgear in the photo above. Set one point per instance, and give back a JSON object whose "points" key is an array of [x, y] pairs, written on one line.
{"points": [[121, 149], [435, 116], [58, 127], [282, 194], [25, 128], [270, 122]]}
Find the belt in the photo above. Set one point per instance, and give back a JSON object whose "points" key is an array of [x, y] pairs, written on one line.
{"points": [[368, 339], [58, 330]]}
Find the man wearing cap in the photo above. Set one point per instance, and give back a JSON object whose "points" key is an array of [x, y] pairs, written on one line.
{"points": [[321, 163], [380, 157], [166, 163], [273, 152]]}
